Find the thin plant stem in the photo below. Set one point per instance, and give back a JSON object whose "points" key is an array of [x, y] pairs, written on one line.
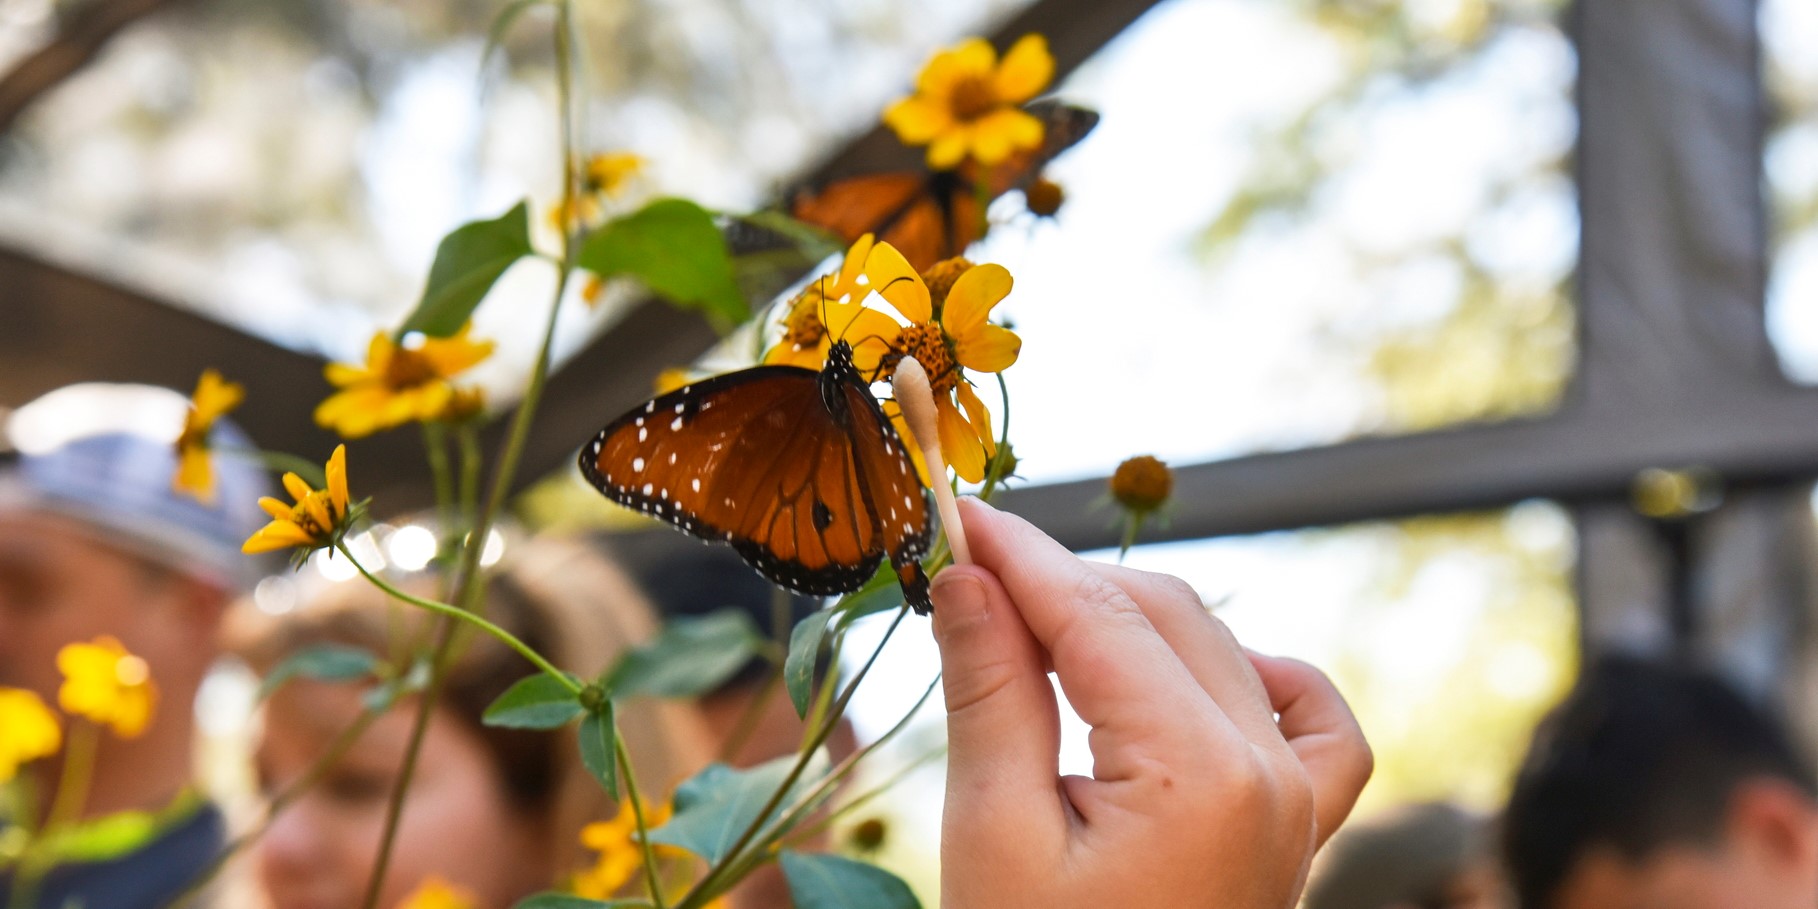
{"points": [[652, 878], [810, 831], [471, 462], [468, 585], [65, 809], [716, 876], [435, 446], [458, 614]]}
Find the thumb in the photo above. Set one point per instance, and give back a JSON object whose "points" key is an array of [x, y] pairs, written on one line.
{"points": [[1003, 731]]}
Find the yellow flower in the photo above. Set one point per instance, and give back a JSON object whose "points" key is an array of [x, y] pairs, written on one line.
{"points": [[947, 336], [829, 310], [966, 103], [398, 384], [315, 518], [106, 684], [435, 893], [214, 397], [28, 730], [604, 176], [671, 379], [620, 853]]}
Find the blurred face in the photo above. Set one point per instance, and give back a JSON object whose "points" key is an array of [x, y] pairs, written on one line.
{"points": [[58, 585], [1766, 858], [458, 824]]}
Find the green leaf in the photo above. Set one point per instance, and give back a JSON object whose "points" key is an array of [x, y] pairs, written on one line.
{"points": [[691, 657], [467, 263], [673, 246], [537, 702], [570, 901], [812, 242], [882, 592], [804, 654], [715, 806], [597, 748], [328, 662], [819, 881]]}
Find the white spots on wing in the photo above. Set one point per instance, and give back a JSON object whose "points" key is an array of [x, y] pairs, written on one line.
{"points": [[664, 494], [643, 433], [908, 529], [727, 502], [696, 483], [685, 389], [637, 464], [706, 406], [649, 488], [672, 457], [681, 406], [675, 425], [907, 503], [650, 407], [715, 447], [640, 421]]}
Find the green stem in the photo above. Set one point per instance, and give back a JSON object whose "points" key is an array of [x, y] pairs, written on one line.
{"points": [[459, 614], [809, 832], [468, 586], [66, 809], [469, 439], [637, 814], [435, 445], [717, 876]]}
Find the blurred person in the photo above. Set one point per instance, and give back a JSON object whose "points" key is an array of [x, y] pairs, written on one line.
{"points": [[1434, 856], [94, 542], [494, 813], [1659, 787]]}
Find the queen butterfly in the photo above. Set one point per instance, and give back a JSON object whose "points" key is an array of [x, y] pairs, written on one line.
{"points": [[800, 471], [930, 216]]}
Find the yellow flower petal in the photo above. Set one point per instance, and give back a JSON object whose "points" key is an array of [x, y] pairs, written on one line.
{"points": [[853, 267], [215, 396], [918, 120], [992, 348], [275, 536], [788, 354], [277, 509], [978, 416], [341, 375], [337, 480], [973, 58], [892, 276], [453, 355], [959, 442], [949, 150], [28, 730], [1026, 69], [294, 485], [106, 684], [974, 293], [195, 475]]}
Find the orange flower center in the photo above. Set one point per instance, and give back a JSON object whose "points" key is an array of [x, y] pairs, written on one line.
{"points": [[973, 97], [803, 326], [300, 516], [928, 345], [408, 369], [1142, 484], [940, 277]]}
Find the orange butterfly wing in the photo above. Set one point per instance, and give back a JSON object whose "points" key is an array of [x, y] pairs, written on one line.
{"points": [[798, 470]]}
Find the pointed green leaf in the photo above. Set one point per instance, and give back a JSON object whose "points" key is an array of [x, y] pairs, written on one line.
{"points": [[804, 655], [467, 263], [691, 657], [715, 806], [537, 702], [675, 249], [819, 881], [598, 751], [883, 592], [329, 662]]}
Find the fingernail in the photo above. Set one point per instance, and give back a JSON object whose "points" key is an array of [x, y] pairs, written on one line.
{"points": [[959, 602], [975, 502]]}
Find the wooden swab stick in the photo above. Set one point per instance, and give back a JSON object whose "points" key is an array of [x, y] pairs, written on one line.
{"points": [[916, 397]]}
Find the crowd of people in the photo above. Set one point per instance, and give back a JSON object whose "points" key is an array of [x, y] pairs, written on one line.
{"points": [[1219, 773]]}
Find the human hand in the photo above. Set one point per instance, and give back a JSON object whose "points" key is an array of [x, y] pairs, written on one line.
{"points": [[1199, 795]]}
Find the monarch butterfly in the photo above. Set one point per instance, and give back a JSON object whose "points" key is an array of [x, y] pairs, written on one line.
{"points": [[930, 216], [800, 471]]}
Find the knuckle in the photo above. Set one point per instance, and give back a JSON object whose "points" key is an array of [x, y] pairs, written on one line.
{"points": [[966, 692]]}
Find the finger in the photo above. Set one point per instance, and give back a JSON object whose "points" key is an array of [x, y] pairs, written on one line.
{"points": [[1323, 733], [1117, 672], [1205, 646], [1003, 727]]}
